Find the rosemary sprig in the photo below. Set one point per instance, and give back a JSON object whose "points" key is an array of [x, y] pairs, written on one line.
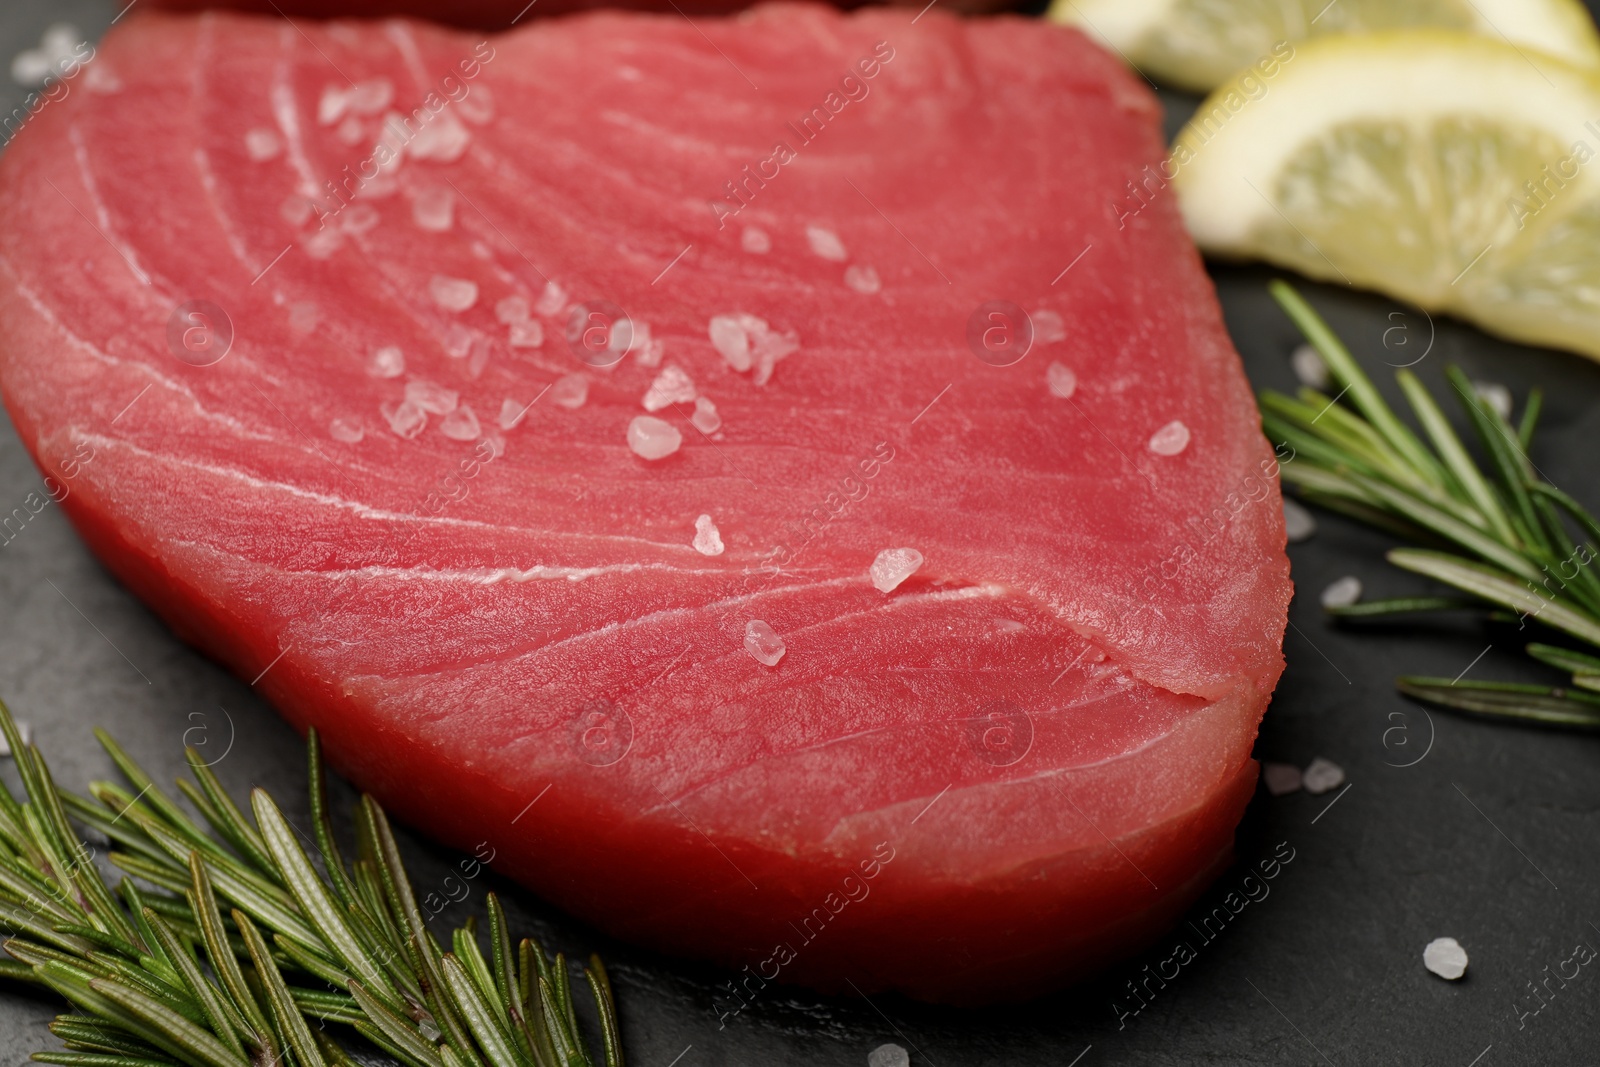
{"points": [[1495, 531], [244, 951]]}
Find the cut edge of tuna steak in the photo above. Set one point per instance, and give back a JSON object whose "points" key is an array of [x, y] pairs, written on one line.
{"points": [[787, 620]]}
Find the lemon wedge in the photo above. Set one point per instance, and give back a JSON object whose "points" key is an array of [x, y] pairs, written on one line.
{"points": [[1199, 44], [1441, 168]]}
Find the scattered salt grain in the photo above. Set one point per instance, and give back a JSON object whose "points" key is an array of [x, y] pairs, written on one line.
{"points": [[754, 239], [1297, 522], [303, 317], [370, 97], [1497, 396], [1445, 957], [457, 341], [570, 392], [863, 280], [647, 350], [100, 78], [1322, 776], [31, 68], [453, 294], [442, 141], [477, 107], [826, 243], [707, 538], [480, 357], [1309, 367], [434, 210], [1062, 382], [461, 425], [431, 398], [346, 431], [322, 244], [672, 386], [893, 566], [1170, 439], [405, 419], [296, 210], [512, 413], [359, 218], [23, 728], [551, 300], [526, 334], [762, 642], [333, 105], [1281, 778], [888, 1056], [351, 130], [262, 144], [387, 362], [511, 309], [705, 417], [1342, 592], [731, 342], [653, 438], [1048, 326]]}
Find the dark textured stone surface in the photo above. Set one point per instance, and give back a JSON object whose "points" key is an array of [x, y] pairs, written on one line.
{"points": [[1489, 837]]}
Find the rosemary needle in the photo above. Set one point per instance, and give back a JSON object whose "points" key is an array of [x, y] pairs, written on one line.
{"points": [[244, 949], [1493, 530]]}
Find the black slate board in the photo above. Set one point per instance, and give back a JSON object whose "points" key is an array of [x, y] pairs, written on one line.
{"points": [[1490, 836]]}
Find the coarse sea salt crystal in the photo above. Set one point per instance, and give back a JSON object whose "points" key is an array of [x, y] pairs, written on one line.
{"points": [[1061, 381], [863, 280], [653, 438], [31, 68], [387, 362], [296, 210], [405, 419], [461, 425], [1342, 592], [480, 357], [512, 413], [443, 140], [322, 244], [672, 386], [509, 309], [570, 391], [647, 350], [825, 243], [457, 341], [351, 130], [551, 299], [1445, 957], [359, 219], [1281, 778], [1297, 522], [893, 566], [707, 538], [1322, 776], [453, 294], [755, 239], [763, 643], [370, 97], [431, 398], [888, 1056], [526, 334], [1309, 367], [477, 107], [1497, 396], [729, 338], [705, 417], [1170, 439], [1048, 326], [262, 144], [346, 431], [433, 209], [333, 105]]}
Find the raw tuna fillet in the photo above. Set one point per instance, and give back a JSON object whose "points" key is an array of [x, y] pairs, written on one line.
{"points": [[500, 15], [892, 664]]}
